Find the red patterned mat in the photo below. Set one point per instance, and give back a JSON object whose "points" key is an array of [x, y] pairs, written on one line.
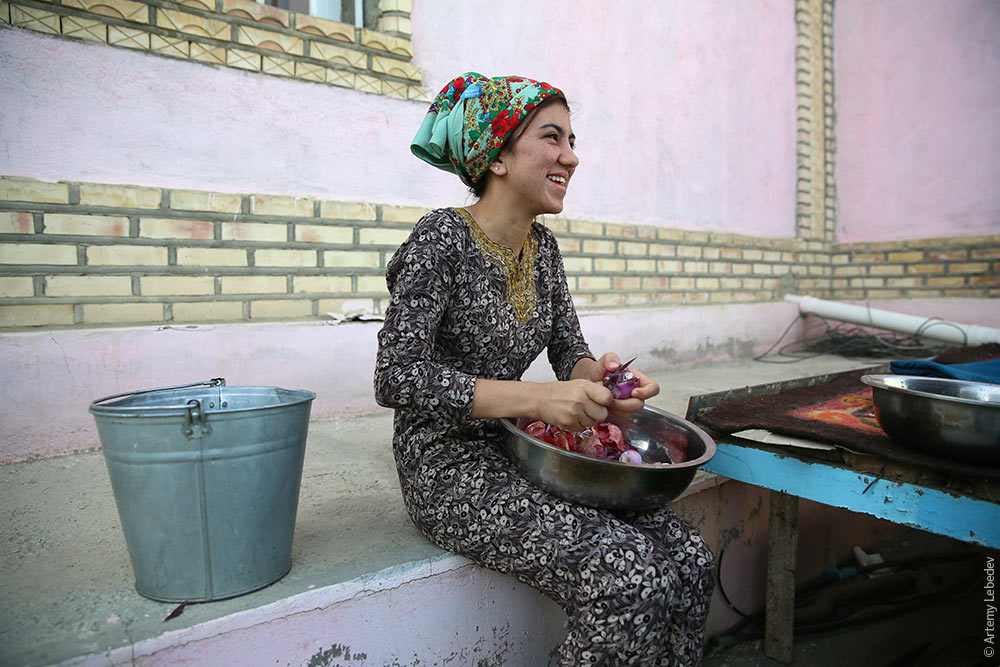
{"points": [[840, 412]]}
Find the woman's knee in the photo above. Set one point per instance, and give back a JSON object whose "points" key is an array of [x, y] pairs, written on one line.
{"points": [[643, 578]]}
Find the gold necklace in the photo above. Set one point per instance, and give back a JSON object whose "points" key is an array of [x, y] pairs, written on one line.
{"points": [[518, 272]]}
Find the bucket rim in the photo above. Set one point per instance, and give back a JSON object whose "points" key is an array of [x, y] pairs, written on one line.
{"points": [[98, 406]]}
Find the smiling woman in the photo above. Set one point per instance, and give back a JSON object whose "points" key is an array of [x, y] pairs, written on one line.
{"points": [[476, 294]]}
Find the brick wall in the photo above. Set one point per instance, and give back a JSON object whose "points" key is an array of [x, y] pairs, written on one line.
{"points": [[241, 34], [815, 205], [916, 269], [83, 254]]}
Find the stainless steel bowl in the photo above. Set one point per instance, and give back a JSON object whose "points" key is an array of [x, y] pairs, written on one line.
{"points": [[659, 436], [951, 418]]}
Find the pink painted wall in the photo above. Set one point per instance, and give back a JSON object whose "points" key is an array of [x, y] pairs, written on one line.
{"points": [[918, 98], [685, 112], [48, 378], [87, 112]]}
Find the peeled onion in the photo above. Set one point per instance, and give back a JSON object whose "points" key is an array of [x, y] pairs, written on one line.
{"points": [[630, 456], [626, 383]]}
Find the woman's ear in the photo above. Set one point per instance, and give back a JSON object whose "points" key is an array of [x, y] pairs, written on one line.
{"points": [[498, 167]]}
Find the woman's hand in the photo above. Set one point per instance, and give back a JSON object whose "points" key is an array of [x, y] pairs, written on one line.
{"points": [[622, 408], [574, 405]]}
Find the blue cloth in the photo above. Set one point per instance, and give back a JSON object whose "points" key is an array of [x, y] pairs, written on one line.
{"points": [[974, 371]]}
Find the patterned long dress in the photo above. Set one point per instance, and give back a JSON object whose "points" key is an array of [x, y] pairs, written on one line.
{"points": [[635, 587]]}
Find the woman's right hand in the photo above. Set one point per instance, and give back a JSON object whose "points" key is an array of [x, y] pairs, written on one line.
{"points": [[574, 405]]}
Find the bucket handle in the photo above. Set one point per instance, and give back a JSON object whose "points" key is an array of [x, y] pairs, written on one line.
{"points": [[214, 382]]}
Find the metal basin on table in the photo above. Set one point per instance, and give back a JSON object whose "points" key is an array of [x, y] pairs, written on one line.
{"points": [[950, 418]]}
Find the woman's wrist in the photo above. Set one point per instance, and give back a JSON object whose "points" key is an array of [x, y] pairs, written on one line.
{"points": [[581, 370], [507, 398]]}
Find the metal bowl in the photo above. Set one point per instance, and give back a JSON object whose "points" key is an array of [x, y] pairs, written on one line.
{"points": [[951, 418], [660, 438]]}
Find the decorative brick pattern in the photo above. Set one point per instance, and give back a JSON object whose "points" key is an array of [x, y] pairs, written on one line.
{"points": [[126, 10], [321, 27], [244, 59], [245, 35], [89, 29], [129, 38], [271, 40], [337, 55], [278, 66], [254, 11], [192, 24], [208, 53], [815, 140], [389, 44], [130, 255], [170, 46], [32, 18]]}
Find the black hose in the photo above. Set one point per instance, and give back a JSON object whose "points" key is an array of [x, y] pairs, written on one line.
{"points": [[803, 592], [853, 342]]}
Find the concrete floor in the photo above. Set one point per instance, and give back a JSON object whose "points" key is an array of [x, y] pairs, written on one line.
{"points": [[66, 584]]}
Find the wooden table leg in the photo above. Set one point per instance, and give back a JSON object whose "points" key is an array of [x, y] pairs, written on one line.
{"points": [[780, 605]]}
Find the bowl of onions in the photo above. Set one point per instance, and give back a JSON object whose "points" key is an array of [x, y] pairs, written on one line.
{"points": [[638, 463]]}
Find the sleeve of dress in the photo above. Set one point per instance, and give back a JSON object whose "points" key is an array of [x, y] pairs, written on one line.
{"points": [[567, 344], [419, 278]]}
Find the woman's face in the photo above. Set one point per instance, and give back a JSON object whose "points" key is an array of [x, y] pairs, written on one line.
{"points": [[541, 162]]}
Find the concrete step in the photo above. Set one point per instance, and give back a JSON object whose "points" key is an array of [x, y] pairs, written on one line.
{"points": [[365, 586]]}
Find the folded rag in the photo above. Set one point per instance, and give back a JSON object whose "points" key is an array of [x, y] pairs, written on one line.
{"points": [[974, 371]]}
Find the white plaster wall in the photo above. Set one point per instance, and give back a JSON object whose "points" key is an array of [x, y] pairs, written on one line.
{"points": [[918, 98], [685, 112]]}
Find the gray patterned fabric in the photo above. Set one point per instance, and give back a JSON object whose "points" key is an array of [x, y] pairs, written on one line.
{"points": [[635, 587]]}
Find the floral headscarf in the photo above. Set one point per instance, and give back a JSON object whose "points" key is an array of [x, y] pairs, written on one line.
{"points": [[472, 117]]}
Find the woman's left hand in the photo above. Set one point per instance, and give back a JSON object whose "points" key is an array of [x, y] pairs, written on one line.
{"points": [[647, 388]]}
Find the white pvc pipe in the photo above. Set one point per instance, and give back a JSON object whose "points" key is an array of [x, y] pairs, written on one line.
{"points": [[927, 327]]}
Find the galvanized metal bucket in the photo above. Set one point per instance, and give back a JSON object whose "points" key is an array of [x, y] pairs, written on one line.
{"points": [[206, 478]]}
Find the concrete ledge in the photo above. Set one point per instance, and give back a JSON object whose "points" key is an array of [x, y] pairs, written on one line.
{"points": [[363, 579], [478, 617]]}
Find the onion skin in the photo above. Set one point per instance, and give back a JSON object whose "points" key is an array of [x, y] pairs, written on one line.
{"points": [[603, 441]]}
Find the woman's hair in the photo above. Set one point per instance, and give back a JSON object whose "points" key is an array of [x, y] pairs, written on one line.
{"points": [[478, 189]]}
